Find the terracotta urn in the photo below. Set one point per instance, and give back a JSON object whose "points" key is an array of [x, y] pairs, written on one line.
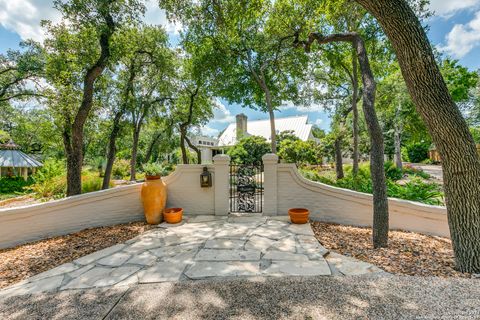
{"points": [[298, 215], [154, 199], [173, 215]]}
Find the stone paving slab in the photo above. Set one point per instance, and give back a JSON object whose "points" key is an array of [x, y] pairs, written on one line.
{"points": [[224, 243], [299, 268], [200, 247], [203, 270], [227, 255], [161, 272]]}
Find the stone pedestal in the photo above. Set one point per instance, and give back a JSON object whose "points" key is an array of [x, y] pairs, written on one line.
{"points": [[270, 162], [221, 163]]}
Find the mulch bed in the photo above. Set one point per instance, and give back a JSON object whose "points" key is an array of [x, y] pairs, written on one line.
{"points": [[26, 260], [408, 253]]}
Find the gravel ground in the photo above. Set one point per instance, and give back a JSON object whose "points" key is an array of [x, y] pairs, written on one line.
{"points": [[408, 253], [360, 297], [26, 260]]}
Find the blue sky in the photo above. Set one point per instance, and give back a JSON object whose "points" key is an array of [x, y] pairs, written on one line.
{"points": [[455, 30]]}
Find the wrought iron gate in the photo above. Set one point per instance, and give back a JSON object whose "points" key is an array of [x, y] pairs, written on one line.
{"points": [[246, 187]]}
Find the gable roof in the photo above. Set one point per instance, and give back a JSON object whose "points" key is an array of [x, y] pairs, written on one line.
{"points": [[297, 124]]}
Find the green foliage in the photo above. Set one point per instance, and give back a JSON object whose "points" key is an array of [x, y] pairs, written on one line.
{"points": [[4, 136], [249, 150], [475, 131], [300, 152], [417, 152], [92, 182], [51, 180], [392, 172], [14, 184], [459, 79], [410, 170], [155, 169], [416, 190], [121, 168]]}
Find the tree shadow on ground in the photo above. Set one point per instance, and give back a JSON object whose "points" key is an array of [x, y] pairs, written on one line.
{"points": [[362, 297]]}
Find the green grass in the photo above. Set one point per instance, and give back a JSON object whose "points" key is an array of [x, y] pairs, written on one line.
{"points": [[5, 196]]}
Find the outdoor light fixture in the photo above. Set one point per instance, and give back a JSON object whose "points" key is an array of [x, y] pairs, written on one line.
{"points": [[205, 178]]}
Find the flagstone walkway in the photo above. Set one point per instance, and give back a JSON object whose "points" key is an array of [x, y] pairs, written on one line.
{"points": [[200, 247]]}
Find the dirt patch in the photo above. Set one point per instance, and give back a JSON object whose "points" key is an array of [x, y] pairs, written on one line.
{"points": [[26, 260], [408, 253]]}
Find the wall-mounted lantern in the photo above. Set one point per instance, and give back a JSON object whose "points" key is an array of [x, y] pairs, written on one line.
{"points": [[205, 178]]}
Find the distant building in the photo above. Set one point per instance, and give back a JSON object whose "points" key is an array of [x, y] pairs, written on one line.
{"points": [[209, 147]]}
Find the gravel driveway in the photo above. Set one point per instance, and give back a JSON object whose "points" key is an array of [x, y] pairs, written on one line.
{"points": [[355, 297]]}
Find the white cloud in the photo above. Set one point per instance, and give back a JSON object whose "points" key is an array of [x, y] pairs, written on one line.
{"points": [[463, 38], [209, 131], [156, 16], [319, 122], [221, 114], [314, 107], [446, 8], [23, 17]]}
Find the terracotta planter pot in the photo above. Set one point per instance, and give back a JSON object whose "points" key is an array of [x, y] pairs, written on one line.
{"points": [[173, 215], [154, 198], [298, 215]]}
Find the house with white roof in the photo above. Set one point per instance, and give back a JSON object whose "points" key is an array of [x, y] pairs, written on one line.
{"points": [[298, 125]]}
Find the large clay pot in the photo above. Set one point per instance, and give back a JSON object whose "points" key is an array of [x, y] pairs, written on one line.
{"points": [[298, 215], [154, 199]]}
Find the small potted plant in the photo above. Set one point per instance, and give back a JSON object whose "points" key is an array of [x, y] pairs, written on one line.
{"points": [[154, 193], [173, 215], [298, 215]]}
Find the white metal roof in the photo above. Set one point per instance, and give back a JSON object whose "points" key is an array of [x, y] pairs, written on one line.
{"points": [[17, 159], [297, 124]]}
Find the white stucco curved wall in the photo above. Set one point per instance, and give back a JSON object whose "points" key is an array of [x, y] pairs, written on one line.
{"points": [[331, 204], [284, 188], [102, 208]]}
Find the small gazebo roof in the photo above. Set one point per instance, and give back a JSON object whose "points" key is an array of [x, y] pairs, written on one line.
{"points": [[11, 156]]}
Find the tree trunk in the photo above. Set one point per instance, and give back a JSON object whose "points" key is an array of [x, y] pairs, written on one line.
{"points": [[338, 158], [75, 150], [260, 79], [397, 139], [273, 131], [133, 160], [355, 113], [112, 149], [197, 151], [448, 129], [377, 170], [152, 145], [182, 147]]}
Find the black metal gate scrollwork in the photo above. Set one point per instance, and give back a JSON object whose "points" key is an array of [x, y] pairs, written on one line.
{"points": [[246, 188]]}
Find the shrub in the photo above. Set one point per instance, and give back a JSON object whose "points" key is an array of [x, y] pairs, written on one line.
{"points": [[249, 150], [416, 190], [410, 170], [91, 182], [300, 152], [54, 187], [392, 172], [417, 152], [155, 169], [14, 184], [121, 168]]}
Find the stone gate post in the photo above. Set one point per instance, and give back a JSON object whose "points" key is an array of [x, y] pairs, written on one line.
{"points": [[221, 184], [270, 162]]}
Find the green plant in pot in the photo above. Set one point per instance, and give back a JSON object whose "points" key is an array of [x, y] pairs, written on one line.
{"points": [[154, 193], [154, 171]]}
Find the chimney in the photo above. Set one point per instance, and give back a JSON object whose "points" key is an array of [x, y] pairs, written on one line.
{"points": [[241, 126]]}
